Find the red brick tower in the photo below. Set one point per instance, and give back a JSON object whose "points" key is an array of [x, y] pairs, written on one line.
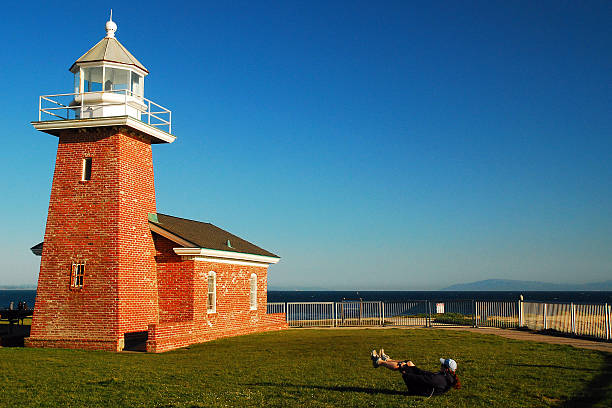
{"points": [[97, 283]]}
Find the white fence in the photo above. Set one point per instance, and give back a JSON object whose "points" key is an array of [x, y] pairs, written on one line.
{"points": [[356, 313], [377, 313], [591, 320], [275, 307], [456, 312], [311, 314], [405, 313], [497, 314]]}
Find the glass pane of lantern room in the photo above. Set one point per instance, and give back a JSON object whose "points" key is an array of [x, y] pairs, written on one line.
{"points": [[92, 79], [136, 84], [77, 81], [116, 79]]}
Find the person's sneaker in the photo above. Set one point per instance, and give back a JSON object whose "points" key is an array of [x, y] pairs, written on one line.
{"points": [[374, 356], [383, 356]]}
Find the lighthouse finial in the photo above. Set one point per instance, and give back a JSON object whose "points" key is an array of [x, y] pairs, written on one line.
{"points": [[111, 27]]}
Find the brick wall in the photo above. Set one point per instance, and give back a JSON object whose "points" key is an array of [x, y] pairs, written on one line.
{"points": [[174, 282], [102, 222], [137, 281], [169, 336], [232, 316]]}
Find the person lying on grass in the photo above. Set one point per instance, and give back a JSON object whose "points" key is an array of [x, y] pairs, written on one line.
{"points": [[421, 382]]}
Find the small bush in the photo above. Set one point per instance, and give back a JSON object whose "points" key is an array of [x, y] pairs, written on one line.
{"points": [[453, 318]]}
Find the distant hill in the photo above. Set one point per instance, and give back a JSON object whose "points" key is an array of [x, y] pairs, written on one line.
{"points": [[515, 285]]}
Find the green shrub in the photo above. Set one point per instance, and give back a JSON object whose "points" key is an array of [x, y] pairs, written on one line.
{"points": [[453, 318]]}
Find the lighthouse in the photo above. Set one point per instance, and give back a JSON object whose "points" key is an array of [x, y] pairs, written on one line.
{"points": [[102, 193], [114, 273]]}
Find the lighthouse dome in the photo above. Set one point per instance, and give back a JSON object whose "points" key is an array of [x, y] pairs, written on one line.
{"points": [[109, 49]]}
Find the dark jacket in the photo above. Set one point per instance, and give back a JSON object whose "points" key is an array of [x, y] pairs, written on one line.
{"points": [[421, 382]]}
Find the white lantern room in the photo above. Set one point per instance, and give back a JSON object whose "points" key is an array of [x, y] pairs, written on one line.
{"points": [[108, 91], [108, 80]]}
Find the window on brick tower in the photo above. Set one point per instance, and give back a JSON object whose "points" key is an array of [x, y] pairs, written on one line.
{"points": [[86, 176], [211, 302], [253, 291], [77, 274]]}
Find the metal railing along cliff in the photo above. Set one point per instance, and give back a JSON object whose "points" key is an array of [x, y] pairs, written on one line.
{"points": [[590, 320]]}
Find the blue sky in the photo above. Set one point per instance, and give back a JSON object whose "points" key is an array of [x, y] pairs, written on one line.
{"points": [[397, 145]]}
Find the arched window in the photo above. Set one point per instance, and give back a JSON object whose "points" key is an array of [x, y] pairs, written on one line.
{"points": [[211, 301], [253, 291]]}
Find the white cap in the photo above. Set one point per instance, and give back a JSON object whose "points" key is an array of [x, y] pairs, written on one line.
{"points": [[111, 27], [449, 362]]}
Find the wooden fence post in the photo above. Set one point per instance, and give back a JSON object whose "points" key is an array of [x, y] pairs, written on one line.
{"points": [[607, 322], [335, 314], [520, 312], [573, 319]]}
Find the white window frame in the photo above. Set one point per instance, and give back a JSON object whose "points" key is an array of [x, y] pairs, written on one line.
{"points": [[104, 66], [211, 293], [77, 275], [84, 169], [253, 291]]}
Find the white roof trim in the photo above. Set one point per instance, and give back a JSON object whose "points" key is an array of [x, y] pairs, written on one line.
{"points": [[226, 261], [220, 255], [167, 234], [106, 121]]}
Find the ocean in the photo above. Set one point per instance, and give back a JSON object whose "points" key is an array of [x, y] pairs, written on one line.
{"points": [[543, 296], [28, 296]]}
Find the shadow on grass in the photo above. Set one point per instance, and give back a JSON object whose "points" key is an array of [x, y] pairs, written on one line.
{"points": [[597, 391], [338, 388], [553, 366]]}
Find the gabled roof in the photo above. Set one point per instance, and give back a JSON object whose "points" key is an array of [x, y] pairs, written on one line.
{"points": [[111, 50], [196, 234], [206, 235]]}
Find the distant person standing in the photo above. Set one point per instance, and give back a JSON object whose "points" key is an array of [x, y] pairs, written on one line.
{"points": [[421, 382]]}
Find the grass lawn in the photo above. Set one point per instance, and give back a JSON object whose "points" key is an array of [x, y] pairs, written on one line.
{"points": [[309, 368]]}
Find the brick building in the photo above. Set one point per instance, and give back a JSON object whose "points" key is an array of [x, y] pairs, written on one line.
{"points": [[114, 273]]}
